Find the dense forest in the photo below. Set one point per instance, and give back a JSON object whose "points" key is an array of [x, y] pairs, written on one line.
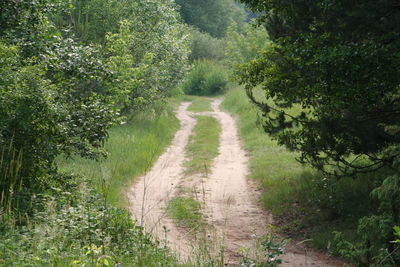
{"points": [[88, 90]]}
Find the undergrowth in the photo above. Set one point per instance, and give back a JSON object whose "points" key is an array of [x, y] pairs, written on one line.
{"points": [[75, 221], [132, 149], [74, 225]]}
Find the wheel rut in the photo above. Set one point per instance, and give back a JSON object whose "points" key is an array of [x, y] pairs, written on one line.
{"points": [[234, 218]]}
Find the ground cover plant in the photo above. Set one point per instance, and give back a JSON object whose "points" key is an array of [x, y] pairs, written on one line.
{"points": [[186, 211], [305, 205], [203, 146], [206, 78], [199, 104], [67, 84], [132, 149], [76, 226]]}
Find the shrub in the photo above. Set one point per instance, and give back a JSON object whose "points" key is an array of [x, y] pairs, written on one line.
{"points": [[204, 46], [206, 78]]}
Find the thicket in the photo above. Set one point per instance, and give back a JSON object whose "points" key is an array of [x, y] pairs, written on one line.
{"points": [[212, 16], [69, 71], [206, 78], [337, 60]]}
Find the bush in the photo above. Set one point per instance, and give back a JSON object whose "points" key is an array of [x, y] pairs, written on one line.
{"points": [[204, 46], [73, 225], [206, 78]]}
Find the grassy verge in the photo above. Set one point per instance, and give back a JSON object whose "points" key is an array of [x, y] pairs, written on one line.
{"points": [[186, 211], [203, 145], [303, 203], [272, 165], [132, 149]]}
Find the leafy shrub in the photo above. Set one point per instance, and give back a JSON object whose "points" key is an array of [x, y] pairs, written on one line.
{"points": [[204, 46], [72, 212], [206, 78]]}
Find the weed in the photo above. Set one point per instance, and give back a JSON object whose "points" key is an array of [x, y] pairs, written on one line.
{"points": [[132, 148], [186, 211], [203, 145], [200, 104]]}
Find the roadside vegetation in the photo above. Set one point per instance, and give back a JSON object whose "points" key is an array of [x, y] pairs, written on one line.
{"points": [[86, 89], [347, 85], [132, 149], [73, 91], [303, 205]]}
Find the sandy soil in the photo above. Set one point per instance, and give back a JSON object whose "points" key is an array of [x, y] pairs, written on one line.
{"points": [[235, 220]]}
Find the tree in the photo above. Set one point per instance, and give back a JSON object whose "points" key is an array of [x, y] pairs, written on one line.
{"points": [[38, 122], [338, 60], [242, 47], [211, 16]]}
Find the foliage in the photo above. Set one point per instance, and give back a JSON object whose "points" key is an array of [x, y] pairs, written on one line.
{"points": [[146, 45], [204, 46], [38, 123], [348, 82], [338, 60], [158, 32], [211, 16], [63, 79], [79, 71], [107, 235], [307, 203], [206, 78], [242, 47], [132, 149], [128, 78], [25, 23]]}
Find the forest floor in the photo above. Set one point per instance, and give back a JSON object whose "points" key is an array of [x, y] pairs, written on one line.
{"points": [[234, 222]]}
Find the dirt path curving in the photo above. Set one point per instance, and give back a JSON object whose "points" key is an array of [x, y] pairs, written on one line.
{"points": [[234, 218]]}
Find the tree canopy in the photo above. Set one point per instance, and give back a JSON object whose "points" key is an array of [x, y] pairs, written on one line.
{"points": [[68, 69], [211, 16], [339, 61]]}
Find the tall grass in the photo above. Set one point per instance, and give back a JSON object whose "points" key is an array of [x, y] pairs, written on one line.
{"points": [[10, 179], [132, 149], [272, 165]]}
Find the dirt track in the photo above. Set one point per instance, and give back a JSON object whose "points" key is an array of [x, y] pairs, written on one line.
{"points": [[235, 221]]}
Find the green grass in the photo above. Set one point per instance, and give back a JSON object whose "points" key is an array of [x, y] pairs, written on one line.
{"points": [[186, 211], [302, 202], [200, 104], [272, 165], [132, 149], [203, 145]]}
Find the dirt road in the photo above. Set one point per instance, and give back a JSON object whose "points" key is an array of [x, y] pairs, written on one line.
{"points": [[235, 220]]}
